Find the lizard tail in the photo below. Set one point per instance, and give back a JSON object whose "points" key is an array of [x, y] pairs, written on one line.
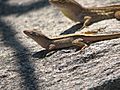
{"points": [[103, 37]]}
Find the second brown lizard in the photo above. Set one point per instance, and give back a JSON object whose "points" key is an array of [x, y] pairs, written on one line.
{"points": [[74, 11]]}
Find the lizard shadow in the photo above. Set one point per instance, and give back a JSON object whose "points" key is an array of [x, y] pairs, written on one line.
{"points": [[72, 29], [43, 53]]}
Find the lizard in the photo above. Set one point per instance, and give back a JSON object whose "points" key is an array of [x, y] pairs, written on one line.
{"points": [[86, 16], [69, 40]]}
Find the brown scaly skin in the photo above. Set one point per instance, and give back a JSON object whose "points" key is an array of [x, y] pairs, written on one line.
{"points": [[67, 40], [87, 16]]}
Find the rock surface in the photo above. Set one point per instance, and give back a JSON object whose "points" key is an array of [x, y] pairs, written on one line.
{"points": [[24, 65]]}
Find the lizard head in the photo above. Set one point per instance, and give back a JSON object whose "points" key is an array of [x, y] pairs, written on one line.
{"points": [[64, 3], [37, 36], [70, 8], [34, 34]]}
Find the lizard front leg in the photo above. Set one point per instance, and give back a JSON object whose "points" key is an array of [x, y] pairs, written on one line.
{"points": [[117, 15], [51, 47], [87, 21], [79, 42]]}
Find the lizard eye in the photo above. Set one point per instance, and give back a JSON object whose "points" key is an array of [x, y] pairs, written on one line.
{"points": [[33, 33]]}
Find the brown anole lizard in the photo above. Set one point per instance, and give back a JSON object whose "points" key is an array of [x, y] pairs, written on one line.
{"points": [[69, 40], [74, 11]]}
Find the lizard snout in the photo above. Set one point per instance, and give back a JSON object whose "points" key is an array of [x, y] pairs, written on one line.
{"points": [[27, 32]]}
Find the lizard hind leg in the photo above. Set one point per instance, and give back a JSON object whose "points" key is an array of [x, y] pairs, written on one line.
{"points": [[117, 15]]}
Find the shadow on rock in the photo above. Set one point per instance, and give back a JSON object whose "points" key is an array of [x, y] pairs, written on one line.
{"points": [[43, 54], [25, 67], [8, 9], [72, 29]]}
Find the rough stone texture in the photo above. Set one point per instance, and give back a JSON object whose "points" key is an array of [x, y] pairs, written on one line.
{"points": [[24, 65]]}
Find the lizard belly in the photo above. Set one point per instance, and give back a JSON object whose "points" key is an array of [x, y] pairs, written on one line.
{"points": [[70, 15], [63, 43]]}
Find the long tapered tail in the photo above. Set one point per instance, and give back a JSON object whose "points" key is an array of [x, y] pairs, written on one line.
{"points": [[103, 37]]}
